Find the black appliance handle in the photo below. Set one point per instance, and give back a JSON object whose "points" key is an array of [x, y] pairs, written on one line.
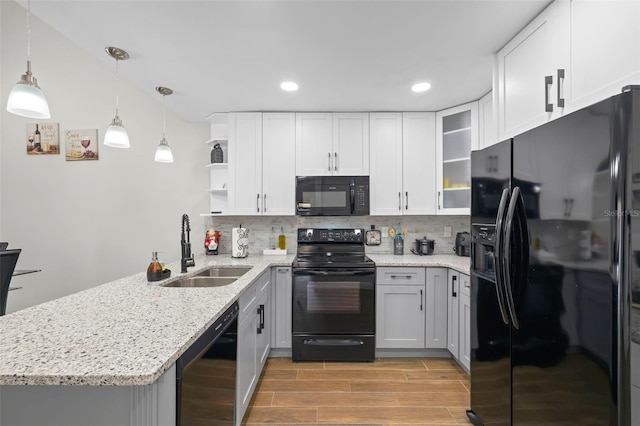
{"points": [[352, 191], [498, 257], [333, 342], [334, 271], [516, 198]]}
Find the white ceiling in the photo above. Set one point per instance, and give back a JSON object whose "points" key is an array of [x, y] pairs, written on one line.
{"points": [[352, 55]]}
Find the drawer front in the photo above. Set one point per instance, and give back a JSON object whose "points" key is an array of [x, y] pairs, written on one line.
{"points": [[403, 276], [247, 302]]}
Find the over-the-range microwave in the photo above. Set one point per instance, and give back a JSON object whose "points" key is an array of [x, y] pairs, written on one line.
{"points": [[332, 195]]}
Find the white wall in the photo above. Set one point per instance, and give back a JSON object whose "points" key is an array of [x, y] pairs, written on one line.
{"points": [[85, 223]]}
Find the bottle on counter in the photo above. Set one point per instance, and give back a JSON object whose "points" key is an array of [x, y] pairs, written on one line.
{"points": [[272, 239], [154, 271], [282, 239]]}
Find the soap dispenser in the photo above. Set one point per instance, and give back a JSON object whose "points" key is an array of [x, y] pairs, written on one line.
{"points": [[154, 271]]}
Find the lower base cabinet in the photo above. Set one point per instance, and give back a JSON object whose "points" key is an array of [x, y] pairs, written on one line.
{"points": [[282, 293], [459, 318], [411, 308], [254, 340]]}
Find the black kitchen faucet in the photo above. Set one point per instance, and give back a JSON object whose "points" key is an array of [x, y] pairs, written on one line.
{"points": [[187, 258]]}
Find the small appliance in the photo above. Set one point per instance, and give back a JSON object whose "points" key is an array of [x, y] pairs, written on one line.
{"points": [[423, 247], [463, 240], [332, 195]]}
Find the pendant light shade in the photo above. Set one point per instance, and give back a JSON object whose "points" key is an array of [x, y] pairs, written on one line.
{"points": [[116, 135], [26, 98], [163, 152]]}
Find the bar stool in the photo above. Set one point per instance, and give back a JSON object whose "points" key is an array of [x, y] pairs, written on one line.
{"points": [[8, 260]]}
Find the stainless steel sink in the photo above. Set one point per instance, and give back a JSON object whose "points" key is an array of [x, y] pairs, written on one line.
{"points": [[224, 272], [202, 282]]}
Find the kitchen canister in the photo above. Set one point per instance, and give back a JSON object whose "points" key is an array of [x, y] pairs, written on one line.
{"points": [[217, 155], [239, 242]]}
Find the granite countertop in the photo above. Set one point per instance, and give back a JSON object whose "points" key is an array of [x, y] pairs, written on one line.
{"points": [[129, 332]]}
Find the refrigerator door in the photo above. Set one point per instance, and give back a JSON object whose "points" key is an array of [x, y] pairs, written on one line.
{"points": [[563, 352], [490, 329]]}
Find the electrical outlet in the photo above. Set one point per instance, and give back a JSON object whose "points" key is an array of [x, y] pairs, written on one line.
{"points": [[447, 231], [384, 231]]}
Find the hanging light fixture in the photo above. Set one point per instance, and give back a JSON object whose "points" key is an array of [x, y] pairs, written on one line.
{"points": [[163, 153], [26, 98], [116, 136]]}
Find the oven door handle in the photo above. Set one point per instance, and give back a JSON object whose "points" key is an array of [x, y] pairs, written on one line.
{"points": [[333, 342], [335, 272]]}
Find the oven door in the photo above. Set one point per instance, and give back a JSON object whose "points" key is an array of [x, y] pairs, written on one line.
{"points": [[333, 301]]}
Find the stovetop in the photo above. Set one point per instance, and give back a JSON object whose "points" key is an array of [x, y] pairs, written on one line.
{"points": [[332, 248]]}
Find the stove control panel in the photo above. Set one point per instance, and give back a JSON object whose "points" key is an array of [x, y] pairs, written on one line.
{"points": [[321, 235]]}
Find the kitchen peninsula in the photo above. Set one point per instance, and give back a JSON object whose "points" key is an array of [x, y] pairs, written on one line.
{"points": [[93, 353]]}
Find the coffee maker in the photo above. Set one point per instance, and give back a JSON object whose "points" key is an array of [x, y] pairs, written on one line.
{"points": [[463, 244]]}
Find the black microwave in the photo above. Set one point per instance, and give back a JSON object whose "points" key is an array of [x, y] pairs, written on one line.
{"points": [[332, 195]]}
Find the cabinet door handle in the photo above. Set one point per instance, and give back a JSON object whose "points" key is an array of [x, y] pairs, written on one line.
{"points": [[566, 207], [548, 81], [264, 202], [570, 207], [453, 286], [329, 169], [438, 200], [420, 299], [560, 87], [400, 276], [406, 200], [259, 329], [261, 317], [258, 202], [399, 201], [283, 270], [335, 161]]}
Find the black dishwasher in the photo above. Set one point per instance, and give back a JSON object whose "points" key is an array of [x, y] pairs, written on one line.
{"points": [[206, 375]]}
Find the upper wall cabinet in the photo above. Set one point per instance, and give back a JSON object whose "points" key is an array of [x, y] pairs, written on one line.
{"points": [[605, 49], [332, 144], [529, 66], [261, 164], [402, 163], [456, 137], [575, 53]]}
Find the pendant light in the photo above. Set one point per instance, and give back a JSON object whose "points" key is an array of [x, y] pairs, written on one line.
{"points": [[116, 136], [26, 98], [163, 153]]}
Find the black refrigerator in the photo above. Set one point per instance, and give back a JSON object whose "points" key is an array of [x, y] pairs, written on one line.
{"points": [[555, 256]]}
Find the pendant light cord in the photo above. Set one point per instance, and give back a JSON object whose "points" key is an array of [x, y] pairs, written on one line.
{"points": [[28, 30], [164, 116], [117, 87]]}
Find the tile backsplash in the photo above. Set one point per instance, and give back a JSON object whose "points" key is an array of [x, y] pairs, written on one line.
{"points": [[433, 227]]}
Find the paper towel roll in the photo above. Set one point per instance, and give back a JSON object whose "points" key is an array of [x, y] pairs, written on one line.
{"points": [[239, 242]]}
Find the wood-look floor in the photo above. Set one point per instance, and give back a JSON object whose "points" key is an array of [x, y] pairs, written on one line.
{"points": [[389, 391]]}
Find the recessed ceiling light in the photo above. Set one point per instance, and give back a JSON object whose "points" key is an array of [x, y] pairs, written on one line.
{"points": [[420, 87], [289, 86]]}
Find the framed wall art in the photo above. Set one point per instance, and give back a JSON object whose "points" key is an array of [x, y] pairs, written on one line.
{"points": [[81, 144], [43, 138]]}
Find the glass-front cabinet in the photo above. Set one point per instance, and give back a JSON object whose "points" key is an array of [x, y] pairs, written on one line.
{"points": [[456, 137]]}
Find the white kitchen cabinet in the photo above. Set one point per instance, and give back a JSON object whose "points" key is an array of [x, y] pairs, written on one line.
{"points": [[418, 163], [453, 320], [529, 76], [487, 126], [278, 163], [332, 144], [245, 163], [254, 333], [261, 164], [574, 54], [402, 174], [436, 308], [464, 322], [456, 137], [282, 315], [605, 49]]}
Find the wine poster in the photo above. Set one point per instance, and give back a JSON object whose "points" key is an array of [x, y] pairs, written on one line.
{"points": [[81, 144], [43, 138]]}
